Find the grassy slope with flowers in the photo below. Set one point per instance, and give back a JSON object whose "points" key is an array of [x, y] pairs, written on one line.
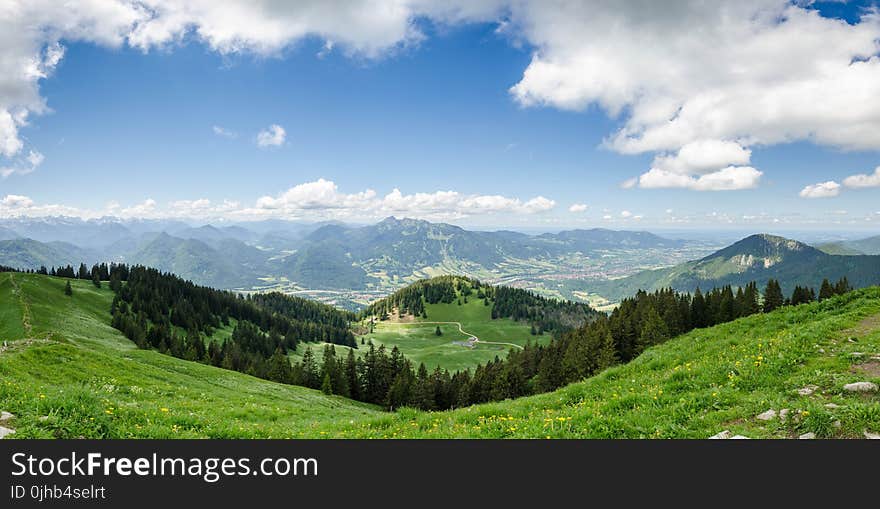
{"points": [[67, 373], [697, 385]]}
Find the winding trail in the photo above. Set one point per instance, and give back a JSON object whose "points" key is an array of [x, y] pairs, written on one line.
{"points": [[472, 338], [25, 307]]}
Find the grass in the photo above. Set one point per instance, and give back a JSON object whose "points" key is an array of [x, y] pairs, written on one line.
{"points": [[76, 376], [696, 385], [418, 341], [80, 377]]}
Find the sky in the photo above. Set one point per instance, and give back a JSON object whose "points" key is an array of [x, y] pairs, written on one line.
{"points": [[486, 113]]}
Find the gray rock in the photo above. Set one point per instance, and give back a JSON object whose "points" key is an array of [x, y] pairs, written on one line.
{"points": [[807, 436], [872, 436], [739, 437], [6, 416], [809, 389], [861, 387], [837, 424], [857, 354], [783, 414], [723, 435], [832, 405], [766, 416], [4, 432]]}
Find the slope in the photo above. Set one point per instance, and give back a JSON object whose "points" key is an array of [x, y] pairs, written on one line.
{"points": [[755, 258], [697, 385], [67, 373]]}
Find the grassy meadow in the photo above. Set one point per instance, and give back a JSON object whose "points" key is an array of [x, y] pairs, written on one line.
{"points": [[72, 375], [417, 340]]}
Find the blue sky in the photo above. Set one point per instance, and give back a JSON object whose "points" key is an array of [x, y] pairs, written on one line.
{"points": [[127, 124]]}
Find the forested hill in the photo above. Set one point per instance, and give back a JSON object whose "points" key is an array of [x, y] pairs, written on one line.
{"points": [[164, 312], [543, 313]]}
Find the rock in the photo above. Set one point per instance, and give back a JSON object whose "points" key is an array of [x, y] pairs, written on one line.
{"points": [[724, 435], [857, 354], [783, 414], [806, 391], [766, 416], [4, 431], [872, 436], [739, 437], [861, 387], [837, 424], [832, 405], [807, 436], [821, 350], [43, 418], [6, 416]]}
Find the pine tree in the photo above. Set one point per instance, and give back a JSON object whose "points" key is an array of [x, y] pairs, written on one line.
{"points": [[826, 290], [68, 290], [654, 330], [773, 297], [326, 385], [437, 331]]}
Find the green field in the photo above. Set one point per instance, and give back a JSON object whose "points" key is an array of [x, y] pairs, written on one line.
{"points": [[417, 340], [697, 385], [66, 373]]}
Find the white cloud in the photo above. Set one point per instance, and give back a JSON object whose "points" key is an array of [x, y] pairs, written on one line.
{"points": [[629, 183], [577, 208], [626, 214], [225, 133], [702, 156], [272, 136], [322, 199], [821, 190], [23, 165], [14, 201], [863, 180], [731, 178]]}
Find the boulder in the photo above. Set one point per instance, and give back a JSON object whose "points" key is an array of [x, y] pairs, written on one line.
{"points": [[872, 436], [807, 436], [723, 435], [808, 390], [861, 387], [6, 416], [4, 431], [766, 416]]}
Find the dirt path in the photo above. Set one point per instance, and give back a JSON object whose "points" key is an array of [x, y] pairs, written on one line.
{"points": [[25, 307], [472, 338]]}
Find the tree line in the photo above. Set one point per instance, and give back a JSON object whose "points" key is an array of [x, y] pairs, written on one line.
{"points": [[639, 322], [164, 312], [521, 305]]}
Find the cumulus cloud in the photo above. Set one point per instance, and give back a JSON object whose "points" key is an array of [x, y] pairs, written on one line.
{"points": [[272, 136], [758, 72], [731, 178], [821, 190], [863, 180], [577, 208]]}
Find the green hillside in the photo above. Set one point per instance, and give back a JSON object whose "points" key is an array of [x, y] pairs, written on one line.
{"points": [[66, 373], [755, 258], [417, 340], [697, 385]]}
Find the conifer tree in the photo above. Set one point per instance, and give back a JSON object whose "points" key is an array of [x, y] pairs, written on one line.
{"points": [[437, 331], [68, 290], [773, 297], [826, 290]]}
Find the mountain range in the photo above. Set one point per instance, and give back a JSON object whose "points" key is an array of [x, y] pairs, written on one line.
{"points": [[754, 258], [314, 256]]}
